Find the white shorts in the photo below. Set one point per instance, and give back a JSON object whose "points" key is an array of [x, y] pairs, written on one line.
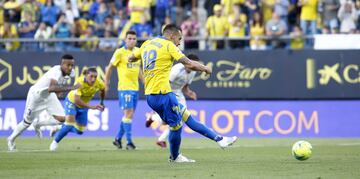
{"points": [[36, 103], [181, 98]]}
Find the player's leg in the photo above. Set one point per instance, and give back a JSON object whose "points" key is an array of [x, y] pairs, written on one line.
{"points": [[121, 132], [32, 107], [205, 131], [201, 128], [130, 106], [128, 102], [167, 107], [164, 135], [56, 114], [76, 120]]}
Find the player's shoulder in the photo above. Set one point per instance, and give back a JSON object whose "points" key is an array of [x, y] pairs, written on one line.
{"points": [[120, 49], [55, 70]]}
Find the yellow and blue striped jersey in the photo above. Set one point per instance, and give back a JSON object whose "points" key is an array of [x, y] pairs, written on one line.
{"points": [[128, 73], [86, 92], [157, 56]]}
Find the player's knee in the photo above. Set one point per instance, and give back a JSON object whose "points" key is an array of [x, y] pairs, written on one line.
{"points": [[129, 113]]}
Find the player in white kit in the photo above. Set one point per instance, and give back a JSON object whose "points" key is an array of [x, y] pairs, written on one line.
{"points": [[180, 79], [41, 97]]}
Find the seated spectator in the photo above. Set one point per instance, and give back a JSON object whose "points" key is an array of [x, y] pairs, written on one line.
{"points": [[106, 44], [257, 29], [162, 11], [329, 14], [100, 19], [348, 17], [60, 4], [29, 6], [8, 31], [237, 30], [12, 11], [217, 26], [143, 29], [237, 24], [267, 9], [49, 12], [70, 16], [308, 16], [120, 20], [94, 8], [109, 25], [251, 7], [44, 32], [84, 6], [92, 40], [276, 28], [281, 8], [139, 9], [297, 39], [190, 28], [27, 29], [62, 29]]}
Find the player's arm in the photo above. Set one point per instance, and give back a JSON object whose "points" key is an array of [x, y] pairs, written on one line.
{"points": [[141, 75], [102, 97], [188, 92], [194, 65], [56, 88], [79, 102], [136, 55], [108, 72]]}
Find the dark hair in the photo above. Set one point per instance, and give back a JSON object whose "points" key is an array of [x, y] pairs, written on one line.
{"points": [[171, 28], [131, 32], [260, 22], [192, 56], [67, 57], [88, 70]]}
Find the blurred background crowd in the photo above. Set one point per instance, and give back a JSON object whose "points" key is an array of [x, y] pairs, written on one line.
{"points": [[93, 25]]}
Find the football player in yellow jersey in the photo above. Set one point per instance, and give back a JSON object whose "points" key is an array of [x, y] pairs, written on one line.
{"points": [[128, 86], [77, 105], [157, 57]]}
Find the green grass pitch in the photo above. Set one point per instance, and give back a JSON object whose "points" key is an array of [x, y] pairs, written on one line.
{"points": [[248, 158]]}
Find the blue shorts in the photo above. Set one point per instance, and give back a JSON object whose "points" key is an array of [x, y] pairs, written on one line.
{"points": [[168, 108], [81, 114], [128, 99]]}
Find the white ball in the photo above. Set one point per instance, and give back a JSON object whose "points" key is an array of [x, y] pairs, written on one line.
{"points": [[301, 150]]}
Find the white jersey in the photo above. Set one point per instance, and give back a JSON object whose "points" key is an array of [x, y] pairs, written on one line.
{"points": [[179, 77], [44, 82], [39, 98]]}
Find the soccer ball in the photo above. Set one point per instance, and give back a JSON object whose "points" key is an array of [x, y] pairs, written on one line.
{"points": [[301, 150]]}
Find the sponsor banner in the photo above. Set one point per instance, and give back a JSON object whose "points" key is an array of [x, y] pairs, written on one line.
{"points": [[277, 74], [240, 118]]}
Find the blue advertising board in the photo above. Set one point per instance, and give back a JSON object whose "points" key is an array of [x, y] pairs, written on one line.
{"points": [[240, 118]]}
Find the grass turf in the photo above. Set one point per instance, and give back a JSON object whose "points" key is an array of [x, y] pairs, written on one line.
{"points": [[248, 158]]}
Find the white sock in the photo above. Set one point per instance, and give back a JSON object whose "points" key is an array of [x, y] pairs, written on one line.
{"points": [[164, 135], [18, 130], [49, 121], [157, 118]]}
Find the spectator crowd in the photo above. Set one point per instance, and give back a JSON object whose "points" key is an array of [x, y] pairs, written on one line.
{"points": [[103, 20]]}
